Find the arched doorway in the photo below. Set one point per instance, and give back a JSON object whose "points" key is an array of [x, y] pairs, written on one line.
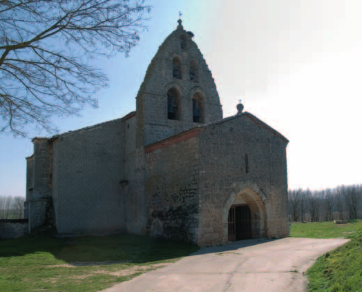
{"points": [[239, 222], [245, 212]]}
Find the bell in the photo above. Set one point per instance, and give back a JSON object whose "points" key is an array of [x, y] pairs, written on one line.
{"points": [[171, 109]]}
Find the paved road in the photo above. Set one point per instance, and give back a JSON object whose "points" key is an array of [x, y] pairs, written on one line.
{"points": [[248, 265]]}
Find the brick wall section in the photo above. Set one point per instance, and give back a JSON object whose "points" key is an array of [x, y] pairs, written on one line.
{"points": [[13, 228], [172, 188], [88, 166], [222, 166]]}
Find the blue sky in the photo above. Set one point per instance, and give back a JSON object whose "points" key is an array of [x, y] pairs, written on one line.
{"points": [[295, 64]]}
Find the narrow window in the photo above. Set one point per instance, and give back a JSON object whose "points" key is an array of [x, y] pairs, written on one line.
{"points": [[173, 105], [194, 73], [198, 108], [176, 68], [246, 163]]}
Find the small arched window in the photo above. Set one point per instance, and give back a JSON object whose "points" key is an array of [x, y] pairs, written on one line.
{"points": [[198, 114], [183, 42], [176, 69], [173, 105], [194, 72]]}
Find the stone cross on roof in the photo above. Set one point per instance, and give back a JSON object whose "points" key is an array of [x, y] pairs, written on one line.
{"points": [[179, 20]]}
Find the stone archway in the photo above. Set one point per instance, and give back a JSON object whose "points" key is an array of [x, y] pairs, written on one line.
{"points": [[250, 194]]}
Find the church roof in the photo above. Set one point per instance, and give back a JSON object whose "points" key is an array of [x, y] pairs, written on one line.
{"points": [[265, 126], [252, 118], [126, 117], [194, 132]]}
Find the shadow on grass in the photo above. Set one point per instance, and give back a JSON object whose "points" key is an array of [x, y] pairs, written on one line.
{"points": [[109, 250], [96, 250]]}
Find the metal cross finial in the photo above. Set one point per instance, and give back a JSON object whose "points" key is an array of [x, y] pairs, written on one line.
{"points": [[179, 21]]}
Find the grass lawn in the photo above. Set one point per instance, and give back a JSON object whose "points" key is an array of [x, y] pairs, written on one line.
{"points": [[44, 263], [341, 269]]}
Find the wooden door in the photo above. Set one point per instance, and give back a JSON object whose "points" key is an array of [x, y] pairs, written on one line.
{"points": [[231, 224], [239, 222], [242, 222]]}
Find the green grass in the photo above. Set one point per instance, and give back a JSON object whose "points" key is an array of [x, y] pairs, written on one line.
{"points": [[89, 263], [324, 229], [11, 214], [338, 270]]}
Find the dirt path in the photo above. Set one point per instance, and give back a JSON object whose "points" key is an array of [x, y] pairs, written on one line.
{"points": [[248, 265]]}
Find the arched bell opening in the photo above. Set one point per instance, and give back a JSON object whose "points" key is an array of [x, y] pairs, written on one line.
{"points": [[173, 104], [198, 108]]}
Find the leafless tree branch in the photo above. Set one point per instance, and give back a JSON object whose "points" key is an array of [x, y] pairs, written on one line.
{"points": [[45, 46]]}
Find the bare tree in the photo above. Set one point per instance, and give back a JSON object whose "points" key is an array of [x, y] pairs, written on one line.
{"points": [[340, 198], [328, 201], [18, 206], [45, 48], [11, 207], [359, 192], [305, 195], [352, 201], [314, 206], [7, 207], [294, 197], [1, 206]]}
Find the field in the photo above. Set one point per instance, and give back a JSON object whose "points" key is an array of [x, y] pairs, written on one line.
{"points": [[44, 263], [341, 269], [40, 262]]}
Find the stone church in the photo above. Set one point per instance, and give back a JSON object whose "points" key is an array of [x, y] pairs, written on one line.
{"points": [[173, 168]]}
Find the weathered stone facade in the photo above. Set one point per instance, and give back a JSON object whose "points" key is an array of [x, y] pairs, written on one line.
{"points": [[173, 168]]}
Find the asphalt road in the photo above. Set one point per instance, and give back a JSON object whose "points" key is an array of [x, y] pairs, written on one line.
{"points": [[248, 265]]}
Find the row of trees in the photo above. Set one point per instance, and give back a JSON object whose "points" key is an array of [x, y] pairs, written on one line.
{"points": [[340, 203], [11, 207]]}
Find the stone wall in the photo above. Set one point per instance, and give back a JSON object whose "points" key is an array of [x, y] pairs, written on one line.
{"points": [[39, 183], [146, 173], [224, 179], [172, 187], [132, 189], [13, 228], [88, 166], [29, 184]]}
